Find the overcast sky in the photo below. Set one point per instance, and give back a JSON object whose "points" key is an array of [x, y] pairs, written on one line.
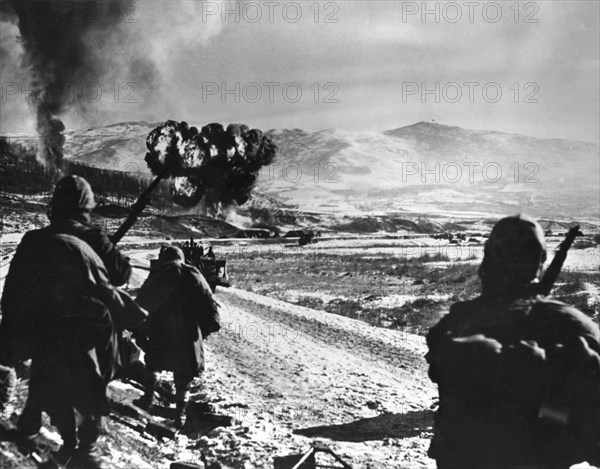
{"points": [[359, 65]]}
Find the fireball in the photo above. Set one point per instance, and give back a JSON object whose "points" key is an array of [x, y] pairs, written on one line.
{"points": [[186, 191], [225, 161]]}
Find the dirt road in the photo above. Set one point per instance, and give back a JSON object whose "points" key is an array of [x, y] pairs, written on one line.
{"points": [[292, 375]]}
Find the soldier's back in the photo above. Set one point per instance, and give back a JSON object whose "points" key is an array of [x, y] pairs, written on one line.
{"points": [[117, 265], [533, 317], [519, 383]]}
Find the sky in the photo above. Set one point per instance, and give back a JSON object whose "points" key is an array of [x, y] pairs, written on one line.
{"points": [[523, 67]]}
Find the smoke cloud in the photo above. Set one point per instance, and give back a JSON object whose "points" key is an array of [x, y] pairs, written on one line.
{"points": [[214, 165], [85, 61]]}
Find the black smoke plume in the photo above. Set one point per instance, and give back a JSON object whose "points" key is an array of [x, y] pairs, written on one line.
{"points": [[62, 54]]}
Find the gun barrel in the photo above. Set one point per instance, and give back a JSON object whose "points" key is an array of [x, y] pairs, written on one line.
{"points": [[137, 208], [553, 270]]}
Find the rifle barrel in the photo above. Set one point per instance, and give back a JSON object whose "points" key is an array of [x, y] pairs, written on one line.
{"points": [[137, 208], [553, 270]]}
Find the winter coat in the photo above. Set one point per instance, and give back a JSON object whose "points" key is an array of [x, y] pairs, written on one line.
{"points": [[117, 265], [182, 313], [60, 309], [519, 384]]}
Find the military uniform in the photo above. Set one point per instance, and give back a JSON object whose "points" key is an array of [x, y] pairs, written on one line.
{"points": [[117, 265], [181, 313], [60, 310], [70, 208], [518, 374]]}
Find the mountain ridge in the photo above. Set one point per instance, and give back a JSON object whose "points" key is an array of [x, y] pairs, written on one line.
{"points": [[424, 167]]}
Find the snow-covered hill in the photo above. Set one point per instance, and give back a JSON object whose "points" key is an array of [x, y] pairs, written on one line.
{"points": [[434, 168], [424, 168]]}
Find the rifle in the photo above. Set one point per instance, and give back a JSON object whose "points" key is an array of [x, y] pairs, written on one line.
{"points": [[137, 208], [551, 274]]}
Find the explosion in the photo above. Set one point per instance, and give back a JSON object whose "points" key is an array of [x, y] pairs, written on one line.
{"points": [[223, 161]]}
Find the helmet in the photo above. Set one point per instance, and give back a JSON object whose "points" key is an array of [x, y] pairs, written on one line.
{"points": [[170, 253], [516, 246], [72, 193]]}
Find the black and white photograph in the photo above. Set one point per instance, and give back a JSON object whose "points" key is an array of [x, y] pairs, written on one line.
{"points": [[272, 234]]}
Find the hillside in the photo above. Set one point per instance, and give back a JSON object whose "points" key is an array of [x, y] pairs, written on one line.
{"points": [[425, 167], [433, 168]]}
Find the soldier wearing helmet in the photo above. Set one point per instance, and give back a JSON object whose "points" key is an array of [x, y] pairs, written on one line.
{"points": [[182, 313], [61, 309], [518, 374], [70, 213]]}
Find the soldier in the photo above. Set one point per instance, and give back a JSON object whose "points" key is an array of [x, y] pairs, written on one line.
{"points": [[210, 254], [70, 213], [182, 314], [60, 309], [45, 305], [518, 374]]}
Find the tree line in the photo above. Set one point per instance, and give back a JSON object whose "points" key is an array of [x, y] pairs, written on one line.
{"points": [[21, 172]]}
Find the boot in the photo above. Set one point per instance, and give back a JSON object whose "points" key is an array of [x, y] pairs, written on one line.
{"points": [[182, 383], [180, 407], [64, 420], [88, 433]]}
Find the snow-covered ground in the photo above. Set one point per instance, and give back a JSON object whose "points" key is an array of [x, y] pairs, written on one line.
{"points": [[296, 375], [291, 375], [140, 251]]}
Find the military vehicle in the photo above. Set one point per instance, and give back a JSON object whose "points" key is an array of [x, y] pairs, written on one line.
{"points": [[309, 238], [304, 237], [204, 259]]}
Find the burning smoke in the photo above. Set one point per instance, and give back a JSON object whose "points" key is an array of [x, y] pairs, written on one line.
{"points": [[217, 164], [56, 55], [62, 50]]}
